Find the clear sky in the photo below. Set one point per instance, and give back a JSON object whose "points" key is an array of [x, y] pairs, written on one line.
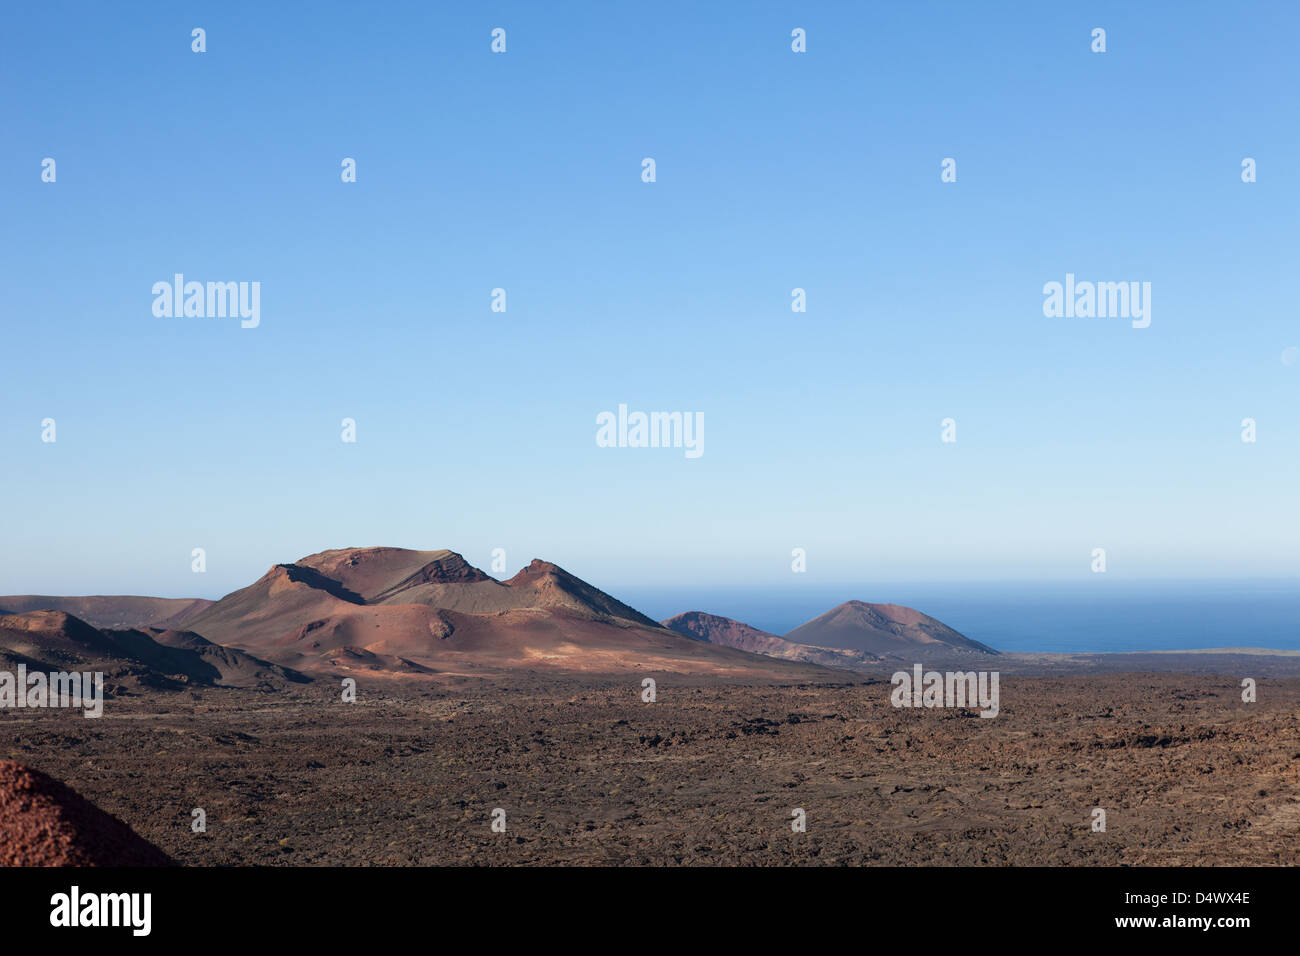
{"points": [[774, 170]]}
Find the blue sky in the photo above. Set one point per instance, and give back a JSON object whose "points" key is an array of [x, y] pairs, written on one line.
{"points": [[775, 170]]}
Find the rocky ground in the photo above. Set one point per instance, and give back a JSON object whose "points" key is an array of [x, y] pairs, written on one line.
{"points": [[708, 774]]}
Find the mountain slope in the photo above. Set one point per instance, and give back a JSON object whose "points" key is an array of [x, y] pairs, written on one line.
{"points": [[111, 610], [547, 585], [57, 641], [726, 632], [885, 630], [445, 580]]}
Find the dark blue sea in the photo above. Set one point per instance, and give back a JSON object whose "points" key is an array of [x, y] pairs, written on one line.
{"points": [[1099, 615]]}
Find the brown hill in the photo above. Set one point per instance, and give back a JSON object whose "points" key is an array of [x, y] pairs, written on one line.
{"points": [[886, 630], [445, 580], [393, 610], [110, 611], [726, 632], [395, 575], [45, 823], [233, 667], [544, 584], [57, 641]]}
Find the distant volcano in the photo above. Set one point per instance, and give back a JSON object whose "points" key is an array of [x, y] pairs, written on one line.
{"points": [[887, 630]]}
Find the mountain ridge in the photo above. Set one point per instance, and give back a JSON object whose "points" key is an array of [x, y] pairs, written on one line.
{"points": [[110, 610], [160, 658], [398, 611], [401, 611]]}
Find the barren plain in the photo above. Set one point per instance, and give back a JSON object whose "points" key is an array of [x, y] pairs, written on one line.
{"points": [[709, 773]]}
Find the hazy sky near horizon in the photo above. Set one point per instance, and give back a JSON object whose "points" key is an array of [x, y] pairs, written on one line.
{"points": [[774, 170]]}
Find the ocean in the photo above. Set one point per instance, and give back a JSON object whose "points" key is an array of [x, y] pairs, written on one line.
{"points": [[1096, 616]]}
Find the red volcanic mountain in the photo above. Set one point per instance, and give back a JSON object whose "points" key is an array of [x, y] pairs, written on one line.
{"points": [[400, 611], [728, 633], [443, 579], [884, 629], [57, 641]]}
